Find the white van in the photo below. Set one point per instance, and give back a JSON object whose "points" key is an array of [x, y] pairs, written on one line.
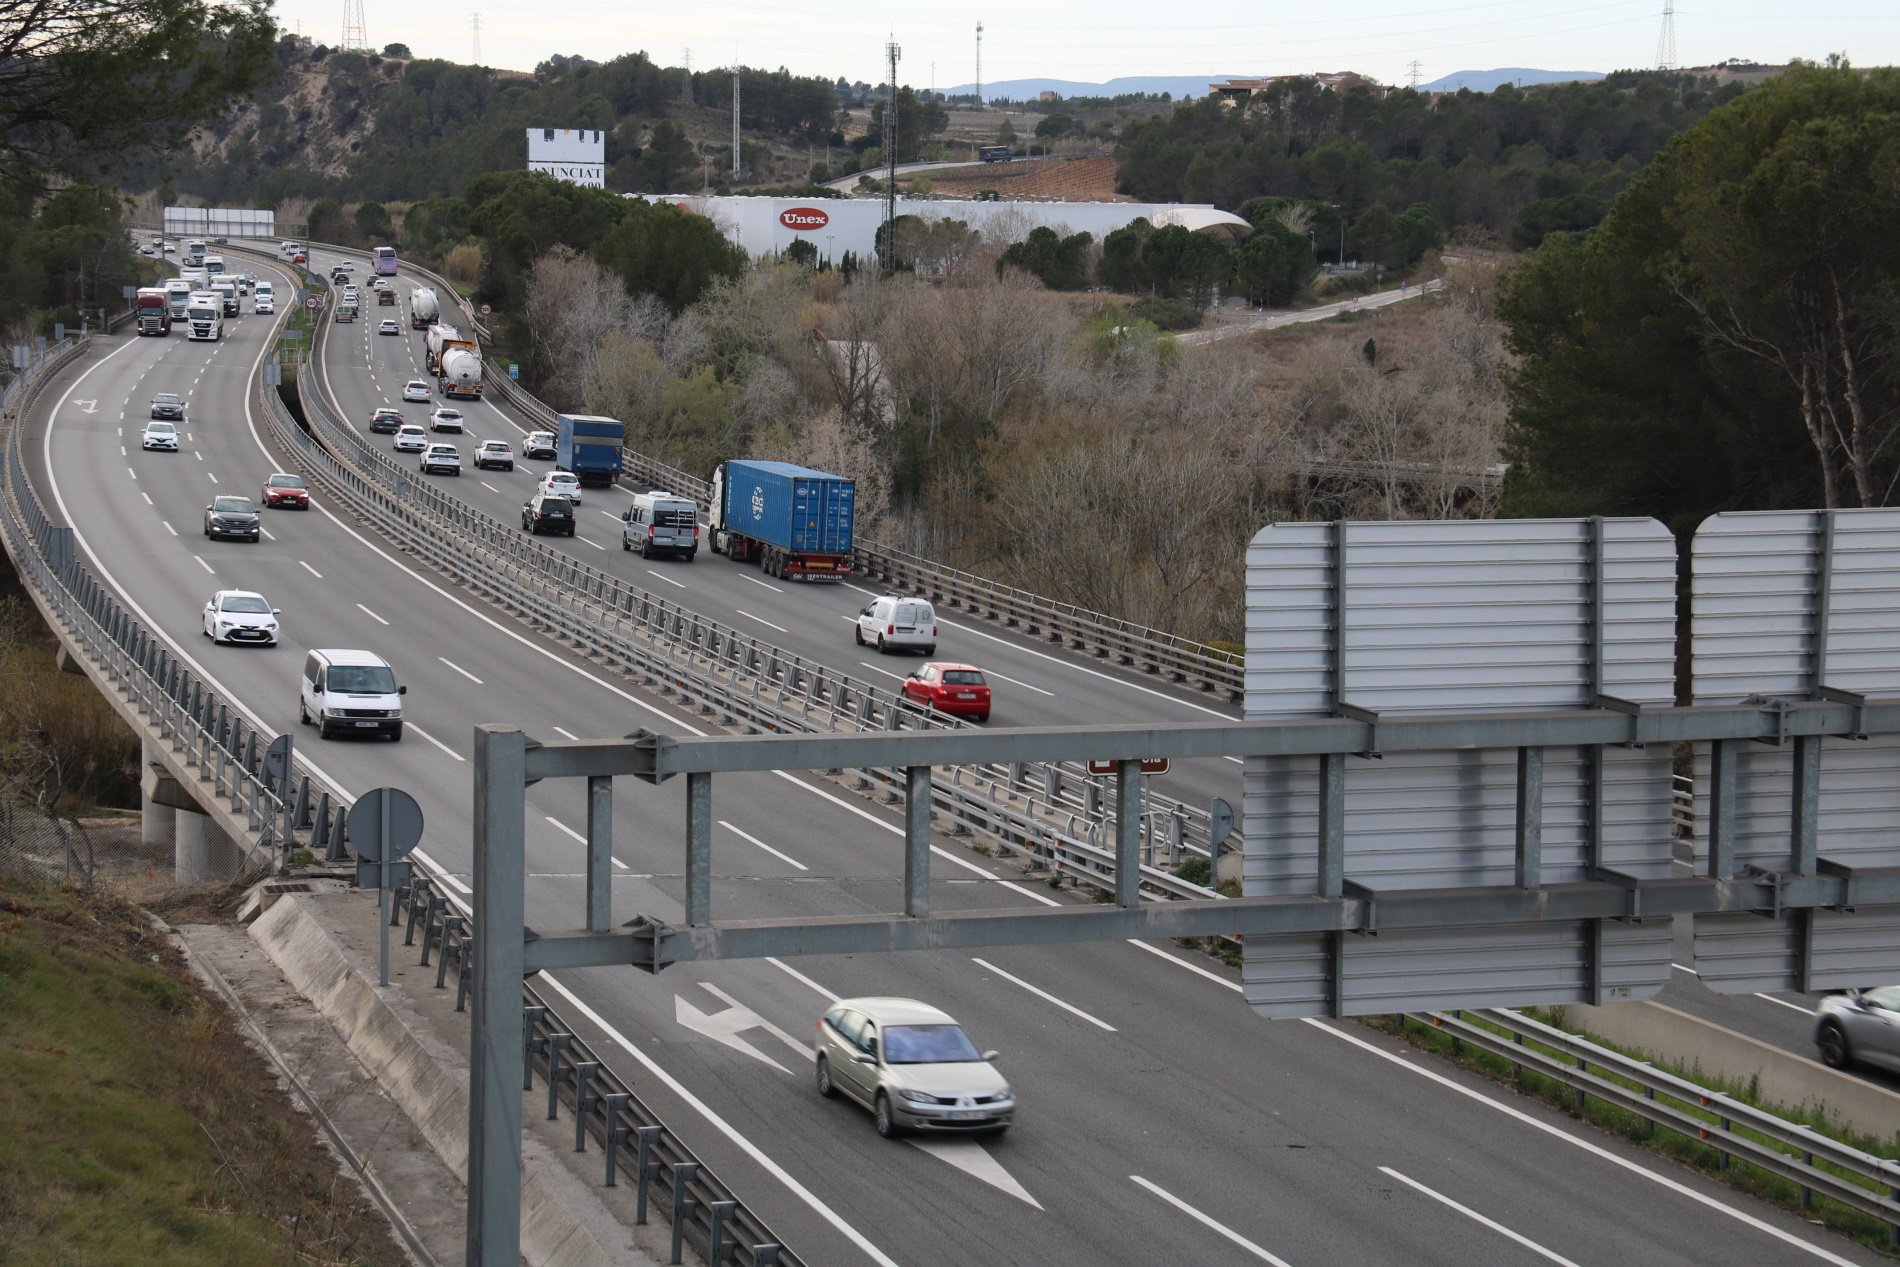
{"points": [[350, 693], [898, 621], [263, 298], [661, 523]]}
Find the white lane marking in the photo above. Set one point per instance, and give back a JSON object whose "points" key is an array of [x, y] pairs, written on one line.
{"points": [[148, 499], [762, 620], [1041, 655], [610, 514], [1594, 1150], [1014, 682], [122, 452], [802, 979], [723, 1028], [372, 615], [1769, 998], [567, 733], [576, 835], [213, 475], [1209, 1223], [886, 672], [584, 541], [1477, 1218], [1178, 962], [306, 567], [803, 1049], [1045, 995], [206, 566], [432, 739], [169, 528], [774, 588], [725, 1128], [128, 470], [268, 534], [490, 487], [194, 452], [896, 830], [974, 1160], [751, 839], [1680, 968], [459, 669], [669, 580]]}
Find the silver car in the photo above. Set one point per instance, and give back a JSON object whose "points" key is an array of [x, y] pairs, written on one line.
{"points": [[912, 1066], [1860, 1027]]}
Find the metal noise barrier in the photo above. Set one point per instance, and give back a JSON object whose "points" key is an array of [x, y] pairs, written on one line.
{"points": [[1053, 815], [182, 712], [635, 1145], [1857, 1180]]}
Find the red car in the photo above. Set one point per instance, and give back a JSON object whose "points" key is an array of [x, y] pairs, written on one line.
{"points": [[300, 258], [958, 689], [281, 489]]}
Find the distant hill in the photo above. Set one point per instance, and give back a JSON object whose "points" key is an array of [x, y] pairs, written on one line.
{"points": [[1487, 80], [1191, 87]]}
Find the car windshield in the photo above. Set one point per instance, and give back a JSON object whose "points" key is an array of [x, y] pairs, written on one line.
{"points": [[245, 603], [928, 1045], [963, 677], [362, 679], [562, 477], [286, 481], [447, 413], [232, 505], [164, 428], [166, 399]]}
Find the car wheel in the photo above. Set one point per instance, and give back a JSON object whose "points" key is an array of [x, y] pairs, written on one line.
{"points": [[884, 1119], [395, 736], [1832, 1040], [930, 650], [303, 714], [823, 1079], [982, 716], [880, 644], [857, 633], [323, 729], [255, 538], [626, 544]]}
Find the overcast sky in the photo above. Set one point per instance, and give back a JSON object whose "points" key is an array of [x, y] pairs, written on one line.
{"points": [[1102, 39]]}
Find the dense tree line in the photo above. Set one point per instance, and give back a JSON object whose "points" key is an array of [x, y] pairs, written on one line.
{"points": [[1542, 156], [1728, 337]]}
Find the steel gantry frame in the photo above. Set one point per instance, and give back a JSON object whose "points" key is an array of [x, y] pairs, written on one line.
{"points": [[507, 762]]}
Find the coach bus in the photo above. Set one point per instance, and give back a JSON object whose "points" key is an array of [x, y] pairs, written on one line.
{"points": [[385, 261]]}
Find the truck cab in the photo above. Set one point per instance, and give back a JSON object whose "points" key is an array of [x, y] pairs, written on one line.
{"points": [[204, 317]]}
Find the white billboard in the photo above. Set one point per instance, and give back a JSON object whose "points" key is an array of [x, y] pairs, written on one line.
{"points": [[576, 155], [230, 222]]}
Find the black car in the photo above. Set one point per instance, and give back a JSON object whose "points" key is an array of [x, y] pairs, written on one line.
{"points": [[548, 512], [385, 422], [232, 517], [169, 407]]}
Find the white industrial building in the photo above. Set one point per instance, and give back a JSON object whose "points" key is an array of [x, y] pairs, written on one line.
{"points": [[766, 226], [576, 155]]}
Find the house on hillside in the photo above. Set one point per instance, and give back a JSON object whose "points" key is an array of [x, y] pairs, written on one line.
{"points": [[1237, 92]]}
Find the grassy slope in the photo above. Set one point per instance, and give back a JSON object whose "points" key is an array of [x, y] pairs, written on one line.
{"points": [[136, 1126]]}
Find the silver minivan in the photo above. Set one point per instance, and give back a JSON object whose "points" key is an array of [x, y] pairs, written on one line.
{"points": [[898, 622], [661, 523], [345, 692]]}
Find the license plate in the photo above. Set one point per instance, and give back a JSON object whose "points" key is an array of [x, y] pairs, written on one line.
{"points": [[966, 694], [963, 1116], [366, 724]]}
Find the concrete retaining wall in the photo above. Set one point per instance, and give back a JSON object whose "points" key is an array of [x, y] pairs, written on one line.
{"points": [[1697, 1046]]}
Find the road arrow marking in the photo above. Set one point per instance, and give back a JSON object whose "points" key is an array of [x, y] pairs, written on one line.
{"points": [[88, 406], [802, 1050], [724, 1027], [973, 1159]]}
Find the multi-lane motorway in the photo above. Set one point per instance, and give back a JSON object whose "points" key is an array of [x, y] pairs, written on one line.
{"points": [[1160, 1122]]}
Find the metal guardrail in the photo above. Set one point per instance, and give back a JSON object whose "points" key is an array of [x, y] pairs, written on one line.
{"points": [[1054, 815], [1871, 1185], [605, 1108], [182, 712]]}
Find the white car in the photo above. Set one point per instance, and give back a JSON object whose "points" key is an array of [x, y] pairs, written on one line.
{"points": [[444, 459], [240, 616], [411, 439], [539, 444], [159, 435], [898, 622], [349, 294], [415, 389], [494, 453], [446, 419], [561, 484], [388, 327]]}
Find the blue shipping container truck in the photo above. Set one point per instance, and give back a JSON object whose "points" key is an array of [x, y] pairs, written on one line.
{"points": [[795, 521], [589, 446]]}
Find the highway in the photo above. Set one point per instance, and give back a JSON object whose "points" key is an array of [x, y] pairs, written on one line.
{"points": [[1161, 1122]]}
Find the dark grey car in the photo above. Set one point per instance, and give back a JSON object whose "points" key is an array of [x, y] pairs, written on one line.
{"points": [[1860, 1027], [912, 1066], [232, 517]]}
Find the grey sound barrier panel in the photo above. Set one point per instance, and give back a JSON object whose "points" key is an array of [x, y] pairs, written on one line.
{"points": [[1456, 617], [1787, 604]]}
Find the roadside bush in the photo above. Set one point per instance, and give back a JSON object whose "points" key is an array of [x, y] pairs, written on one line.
{"points": [[1166, 314]]}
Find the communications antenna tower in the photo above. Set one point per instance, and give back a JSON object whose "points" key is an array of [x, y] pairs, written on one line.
{"points": [[475, 21], [891, 53], [686, 77], [1666, 42], [355, 29], [735, 118], [979, 65]]}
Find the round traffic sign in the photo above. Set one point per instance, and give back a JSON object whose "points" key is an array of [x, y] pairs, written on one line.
{"points": [[313, 303], [385, 824], [486, 310]]}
